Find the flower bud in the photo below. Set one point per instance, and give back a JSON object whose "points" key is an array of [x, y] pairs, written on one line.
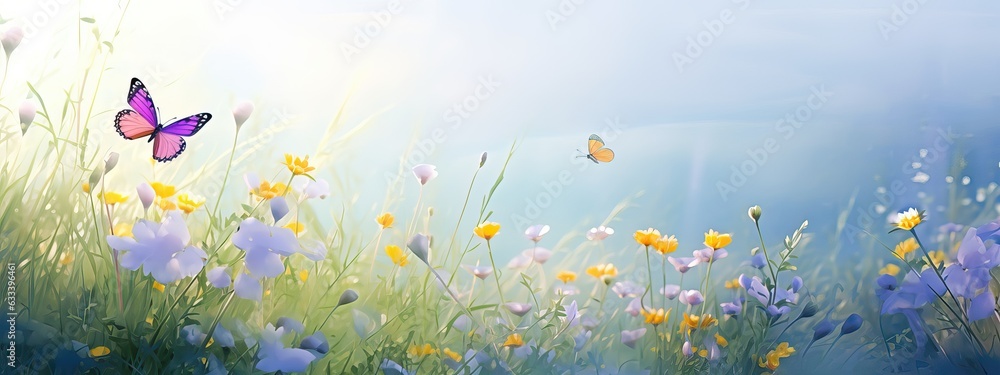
{"points": [[482, 159], [11, 39], [348, 297], [110, 162], [754, 213], [853, 323], [146, 195], [241, 113]]}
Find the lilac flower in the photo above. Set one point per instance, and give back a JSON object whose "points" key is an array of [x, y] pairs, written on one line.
{"points": [[530, 348], [424, 173], [630, 338], [146, 194], [248, 287], [566, 290], [691, 297], [626, 289], [316, 344], [914, 292], [796, 284], [223, 337], [989, 231], [535, 233], [776, 311], [482, 272], [241, 112], [589, 323], [971, 272], [732, 308], [634, 307], [670, 291], [290, 324], [519, 262], [274, 356], [462, 323], [364, 326], [264, 245], [981, 306], [572, 317], [517, 308], [420, 245], [316, 189], [193, 334], [219, 277], [686, 349], [758, 261], [599, 233], [682, 265], [392, 368], [709, 255], [537, 254], [160, 249], [713, 349], [315, 250], [279, 208]]}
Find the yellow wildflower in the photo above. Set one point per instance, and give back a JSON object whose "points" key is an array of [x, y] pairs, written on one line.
{"points": [[733, 284], [66, 258], [158, 287], [487, 230], [114, 198], [909, 219], [655, 316], [451, 354], [166, 205], [905, 247], [716, 240], [163, 190], [603, 272], [304, 275], [566, 276], [514, 341], [188, 203], [646, 237], [385, 220], [149, 320], [100, 351], [694, 322], [721, 340], [86, 187], [666, 245], [889, 269], [938, 257], [397, 255], [296, 227], [421, 350], [773, 357], [268, 191], [298, 166]]}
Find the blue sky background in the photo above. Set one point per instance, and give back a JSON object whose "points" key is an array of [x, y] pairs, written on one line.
{"points": [[683, 129]]}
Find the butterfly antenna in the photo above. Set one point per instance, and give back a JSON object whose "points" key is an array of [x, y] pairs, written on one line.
{"points": [[582, 154]]}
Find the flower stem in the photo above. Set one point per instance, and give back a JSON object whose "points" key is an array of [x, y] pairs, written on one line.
{"points": [[649, 287], [496, 277], [225, 179], [767, 259]]}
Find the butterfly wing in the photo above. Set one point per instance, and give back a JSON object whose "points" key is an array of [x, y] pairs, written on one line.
{"points": [[595, 143], [141, 102], [131, 125], [167, 146], [603, 155], [187, 126]]}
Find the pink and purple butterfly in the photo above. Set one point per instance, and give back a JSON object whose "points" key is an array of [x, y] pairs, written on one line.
{"points": [[142, 120]]}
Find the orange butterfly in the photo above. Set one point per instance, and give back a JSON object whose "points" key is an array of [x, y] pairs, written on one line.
{"points": [[598, 153]]}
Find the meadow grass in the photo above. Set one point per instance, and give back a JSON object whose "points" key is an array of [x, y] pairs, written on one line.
{"points": [[417, 309]]}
